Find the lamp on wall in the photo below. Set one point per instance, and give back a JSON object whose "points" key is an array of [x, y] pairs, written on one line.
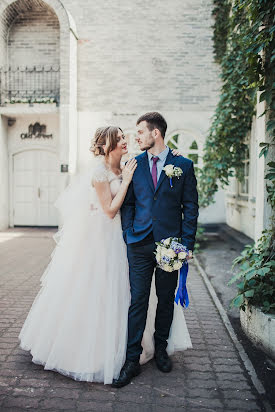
{"points": [[64, 168], [11, 121]]}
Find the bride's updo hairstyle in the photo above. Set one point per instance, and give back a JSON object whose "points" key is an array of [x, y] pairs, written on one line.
{"points": [[105, 136]]}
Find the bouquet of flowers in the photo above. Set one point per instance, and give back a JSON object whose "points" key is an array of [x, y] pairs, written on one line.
{"points": [[171, 255]]}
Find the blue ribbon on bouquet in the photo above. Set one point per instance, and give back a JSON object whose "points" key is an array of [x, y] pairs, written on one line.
{"points": [[182, 294]]}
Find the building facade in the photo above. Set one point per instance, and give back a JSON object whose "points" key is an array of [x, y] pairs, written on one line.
{"points": [[246, 205], [68, 67]]}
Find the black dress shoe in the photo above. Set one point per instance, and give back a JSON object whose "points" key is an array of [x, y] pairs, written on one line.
{"points": [[129, 371], [163, 361]]}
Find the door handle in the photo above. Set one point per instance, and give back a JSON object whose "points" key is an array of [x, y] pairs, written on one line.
{"points": [[39, 192]]}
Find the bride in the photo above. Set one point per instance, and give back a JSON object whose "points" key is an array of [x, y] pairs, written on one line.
{"points": [[77, 324]]}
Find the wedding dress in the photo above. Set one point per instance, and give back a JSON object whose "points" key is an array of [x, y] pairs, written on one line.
{"points": [[77, 324]]}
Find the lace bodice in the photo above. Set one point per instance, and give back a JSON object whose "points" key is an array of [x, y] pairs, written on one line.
{"points": [[102, 174]]}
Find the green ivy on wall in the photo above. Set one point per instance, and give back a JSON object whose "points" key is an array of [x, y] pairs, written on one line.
{"points": [[247, 67], [220, 13], [249, 36]]}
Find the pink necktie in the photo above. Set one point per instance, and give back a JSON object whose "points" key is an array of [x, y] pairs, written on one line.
{"points": [[154, 171]]}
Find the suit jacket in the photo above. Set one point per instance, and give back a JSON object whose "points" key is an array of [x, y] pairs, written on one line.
{"points": [[166, 211]]}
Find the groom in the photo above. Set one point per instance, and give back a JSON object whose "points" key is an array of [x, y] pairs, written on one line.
{"points": [[153, 210]]}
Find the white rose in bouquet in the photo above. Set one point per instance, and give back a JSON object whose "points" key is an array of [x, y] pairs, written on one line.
{"points": [[167, 268], [177, 265], [182, 255], [170, 253], [163, 251]]}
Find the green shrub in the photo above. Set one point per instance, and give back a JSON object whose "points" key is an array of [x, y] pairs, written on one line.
{"points": [[256, 275]]}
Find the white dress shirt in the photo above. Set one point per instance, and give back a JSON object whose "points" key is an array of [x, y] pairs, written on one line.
{"points": [[160, 163]]}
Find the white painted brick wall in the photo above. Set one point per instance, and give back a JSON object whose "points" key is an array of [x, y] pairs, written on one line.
{"points": [[34, 39], [143, 55], [132, 56]]}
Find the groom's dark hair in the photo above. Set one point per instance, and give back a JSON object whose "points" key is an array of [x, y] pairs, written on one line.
{"points": [[154, 121]]}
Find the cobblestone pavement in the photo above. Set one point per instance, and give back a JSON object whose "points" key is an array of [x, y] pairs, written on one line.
{"points": [[228, 244], [209, 377]]}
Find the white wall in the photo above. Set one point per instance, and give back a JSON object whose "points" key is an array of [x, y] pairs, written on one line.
{"points": [[135, 56], [252, 215], [4, 173], [15, 143], [241, 210]]}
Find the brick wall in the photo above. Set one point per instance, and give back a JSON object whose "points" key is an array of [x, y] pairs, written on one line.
{"points": [[5, 22], [34, 39], [2, 44], [141, 55], [132, 56]]}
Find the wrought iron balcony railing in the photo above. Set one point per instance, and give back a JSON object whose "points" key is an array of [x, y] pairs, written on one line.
{"points": [[36, 84]]}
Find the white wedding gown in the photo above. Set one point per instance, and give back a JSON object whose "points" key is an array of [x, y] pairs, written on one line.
{"points": [[77, 324]]}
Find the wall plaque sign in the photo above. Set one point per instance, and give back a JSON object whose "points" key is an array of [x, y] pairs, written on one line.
{"points": [[36, 131]]}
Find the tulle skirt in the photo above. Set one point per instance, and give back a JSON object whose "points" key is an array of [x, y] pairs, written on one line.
{"points": [[77, 324]]}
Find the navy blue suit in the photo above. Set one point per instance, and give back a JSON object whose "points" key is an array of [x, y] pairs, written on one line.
{"points": [[149, 215]]}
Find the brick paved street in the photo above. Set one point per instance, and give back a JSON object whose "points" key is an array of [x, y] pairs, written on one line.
{"points": [[209, 377]]}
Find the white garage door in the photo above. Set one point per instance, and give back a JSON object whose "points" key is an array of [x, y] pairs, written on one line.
{"points": [[35, 188]]}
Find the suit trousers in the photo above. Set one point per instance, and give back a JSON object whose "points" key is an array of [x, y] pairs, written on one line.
{"points": [[142, 263]]}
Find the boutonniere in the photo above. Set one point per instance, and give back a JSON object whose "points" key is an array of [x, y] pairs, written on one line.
{"points": [[172, 171]]}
